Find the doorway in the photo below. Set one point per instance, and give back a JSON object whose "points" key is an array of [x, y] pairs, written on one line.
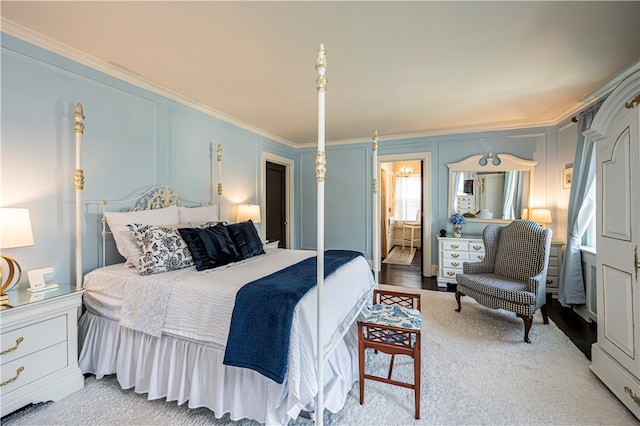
{"points": [[401, 212], [277, 202], [410, 222]]}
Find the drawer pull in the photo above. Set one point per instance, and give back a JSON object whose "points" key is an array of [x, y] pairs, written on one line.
{"points": [[13, 379], [454, 246], [455, 255], [481, 257], [477, 247], [450, 273], [18, 341], [455, 263], [549, 281], [633, 396]]}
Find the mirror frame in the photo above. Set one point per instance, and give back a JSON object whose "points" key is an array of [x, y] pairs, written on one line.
{"points": [[480, 163]]}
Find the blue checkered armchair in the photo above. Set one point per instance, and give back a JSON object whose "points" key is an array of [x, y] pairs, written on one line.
{"points": [[513, 274]]}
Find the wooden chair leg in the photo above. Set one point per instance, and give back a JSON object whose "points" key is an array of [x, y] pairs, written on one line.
{"points": [[527, 326], [458, 295], [393, 357], [417, 357], [361, 362], [545, 317]]}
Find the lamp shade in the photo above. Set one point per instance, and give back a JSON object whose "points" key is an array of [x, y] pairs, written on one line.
{"points": [[248, 211], [541, 215], [525, 213], [15, 228]]}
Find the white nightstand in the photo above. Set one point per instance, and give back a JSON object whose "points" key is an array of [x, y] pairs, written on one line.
{"points": [[39, 347], [271, 244]]}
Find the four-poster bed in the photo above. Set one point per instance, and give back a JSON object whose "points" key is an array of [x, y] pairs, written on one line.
{"points": [[164, 326]]}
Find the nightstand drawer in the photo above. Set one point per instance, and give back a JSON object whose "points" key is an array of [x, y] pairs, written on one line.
{"points": [[552, 282], [34, 337], [34, 367]]}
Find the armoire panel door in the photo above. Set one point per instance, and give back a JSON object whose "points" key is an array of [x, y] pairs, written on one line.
{"points": [[618, 201]]}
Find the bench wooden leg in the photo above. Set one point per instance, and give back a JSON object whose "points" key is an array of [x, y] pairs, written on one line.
{"points": [[361, 362]]}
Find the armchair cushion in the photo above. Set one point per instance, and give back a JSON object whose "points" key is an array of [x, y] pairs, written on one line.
{"points": [[500, 287]]}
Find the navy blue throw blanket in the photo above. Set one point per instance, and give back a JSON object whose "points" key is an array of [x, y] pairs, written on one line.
{"points": [[261, 319]]}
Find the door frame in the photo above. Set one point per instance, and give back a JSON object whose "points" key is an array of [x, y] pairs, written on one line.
{"points": [[427, 214], [289, 173]]}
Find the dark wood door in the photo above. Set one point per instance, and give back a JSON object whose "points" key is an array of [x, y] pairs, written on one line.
{"points": [[276, 214]]}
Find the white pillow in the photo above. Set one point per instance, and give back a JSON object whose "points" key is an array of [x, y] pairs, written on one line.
{"points": [[163, 249], [198, 215], [118, 222]]}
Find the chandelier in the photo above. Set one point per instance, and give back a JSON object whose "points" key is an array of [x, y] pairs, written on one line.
{"points": [[405, 171]]}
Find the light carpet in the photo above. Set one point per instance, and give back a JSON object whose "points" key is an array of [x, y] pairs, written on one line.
{"points": [[400, 256], [475, 371]]}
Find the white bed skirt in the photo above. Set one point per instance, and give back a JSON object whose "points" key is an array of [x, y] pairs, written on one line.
{"points": [[185, 371]]}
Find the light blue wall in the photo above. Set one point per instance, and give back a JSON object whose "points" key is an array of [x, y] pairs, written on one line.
{"points": [[135, 138]]}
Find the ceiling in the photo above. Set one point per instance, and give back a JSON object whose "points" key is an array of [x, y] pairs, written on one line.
{"points": [[406, 68]]}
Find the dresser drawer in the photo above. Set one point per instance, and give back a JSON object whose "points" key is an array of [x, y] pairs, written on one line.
{"points": [[476, 257], [555, 251], [553, 271], [453, 264], [552, 283], [455, 245], [476, 248], [450, 273], [34, 366], [455, 255], [34, 337]]}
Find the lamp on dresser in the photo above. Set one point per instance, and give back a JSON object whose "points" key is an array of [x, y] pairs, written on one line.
{"points": [[541, 216], [15, 231]]}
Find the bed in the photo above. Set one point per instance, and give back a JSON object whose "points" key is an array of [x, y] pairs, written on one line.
{"points": [[165, 329]]}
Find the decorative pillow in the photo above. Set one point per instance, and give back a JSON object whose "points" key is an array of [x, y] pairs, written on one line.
{"points": [[163, 249], [118, 222], [196, 215], [210, 247], [246, 239]]}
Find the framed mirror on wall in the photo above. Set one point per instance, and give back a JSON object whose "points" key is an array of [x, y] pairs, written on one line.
{"points": [[490, 189]]}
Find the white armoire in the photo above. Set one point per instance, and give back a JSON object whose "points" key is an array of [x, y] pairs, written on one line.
{"points": [[615, 358]]}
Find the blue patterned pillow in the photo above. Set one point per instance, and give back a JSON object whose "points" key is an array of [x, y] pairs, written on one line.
{"points": [[246, 239], [210, 247], [163, 249]]}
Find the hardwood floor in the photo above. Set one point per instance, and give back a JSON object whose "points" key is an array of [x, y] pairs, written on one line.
{"points": [[581, 333]]}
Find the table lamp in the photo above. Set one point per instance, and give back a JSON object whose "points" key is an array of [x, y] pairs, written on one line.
{"points": [[15, 231], [248, 211], [541, 216]]}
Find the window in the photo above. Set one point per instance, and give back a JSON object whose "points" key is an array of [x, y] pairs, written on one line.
{"points": [[407, 197]]}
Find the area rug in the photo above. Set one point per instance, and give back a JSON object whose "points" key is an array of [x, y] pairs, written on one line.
{"points": [[476, 370], [400, 256]]}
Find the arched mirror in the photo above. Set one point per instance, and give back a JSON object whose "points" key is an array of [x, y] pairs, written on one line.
{"points": [[487, 189]]}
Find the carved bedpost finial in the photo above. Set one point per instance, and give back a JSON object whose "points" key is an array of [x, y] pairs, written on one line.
{"points": [[219, 152], [321, 66], [79, 116]]}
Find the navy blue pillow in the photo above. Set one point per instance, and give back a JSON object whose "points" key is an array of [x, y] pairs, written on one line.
{"points": [[210, 247], [245, 237]]}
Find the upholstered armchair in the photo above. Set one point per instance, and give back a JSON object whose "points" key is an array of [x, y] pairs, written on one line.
{"points": [[513, 274]]}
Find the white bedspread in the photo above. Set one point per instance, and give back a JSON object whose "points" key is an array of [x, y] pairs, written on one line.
{"points": [[197, 306]]}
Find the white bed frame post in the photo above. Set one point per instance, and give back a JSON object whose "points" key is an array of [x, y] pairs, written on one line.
{"points": [[321, 66], [375, 253], [79, 183], [219, 181]]}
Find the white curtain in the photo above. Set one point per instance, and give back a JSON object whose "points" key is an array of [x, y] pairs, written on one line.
{"points": [[512, 203], [407, 197], [581, 210]]}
